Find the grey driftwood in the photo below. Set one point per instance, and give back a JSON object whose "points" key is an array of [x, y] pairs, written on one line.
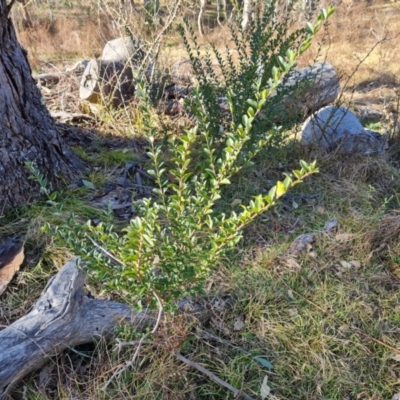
{"points": [[64, 316]]}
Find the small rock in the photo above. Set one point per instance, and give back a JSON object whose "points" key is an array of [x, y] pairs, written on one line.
{"points": [[124, 49], [334, 127], [302, 243], [331, 226]]}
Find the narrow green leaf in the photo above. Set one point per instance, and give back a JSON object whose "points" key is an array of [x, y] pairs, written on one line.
{"points": [[287, 182], [304, 165], [225, 181], [253, 103], [265, 363], [305, 45], [280, 189], [272, 192], [297, 173], [310, 27], [88, 184]]}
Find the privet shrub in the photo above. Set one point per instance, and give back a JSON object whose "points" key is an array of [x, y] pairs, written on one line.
{"points": [[268, 47], [172, 245]]}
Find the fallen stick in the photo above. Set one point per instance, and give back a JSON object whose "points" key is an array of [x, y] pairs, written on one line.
{"points": [[238, 393], [52, 77], [73, 117], [56, 76]]}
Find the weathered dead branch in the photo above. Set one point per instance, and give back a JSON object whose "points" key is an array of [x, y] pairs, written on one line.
{"points": [[63, 317]]}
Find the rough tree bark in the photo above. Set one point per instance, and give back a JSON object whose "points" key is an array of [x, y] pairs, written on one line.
{"points": [[27, 131]]}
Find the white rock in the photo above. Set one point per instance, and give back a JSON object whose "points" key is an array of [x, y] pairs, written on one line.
{"points": [[335, 127], [122, 49], [328, 125]]}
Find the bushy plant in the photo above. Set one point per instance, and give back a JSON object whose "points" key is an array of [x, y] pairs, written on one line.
{"points": [[179, 236], [270, 45]]}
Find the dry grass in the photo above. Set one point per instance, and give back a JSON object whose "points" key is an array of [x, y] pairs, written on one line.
{"points": [[327, 320]]}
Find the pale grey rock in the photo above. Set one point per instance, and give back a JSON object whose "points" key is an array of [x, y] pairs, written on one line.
{"points": [[329, 124], [129, 49], [337, 128], [123, 49]]}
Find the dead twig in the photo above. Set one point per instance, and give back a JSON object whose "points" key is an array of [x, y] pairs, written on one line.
{"points": [[130, 363], [238, 393]]}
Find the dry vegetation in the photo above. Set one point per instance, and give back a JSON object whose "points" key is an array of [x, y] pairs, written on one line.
{"points": [[328, 321]]}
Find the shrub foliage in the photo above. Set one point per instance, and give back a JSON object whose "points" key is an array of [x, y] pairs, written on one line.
{"points": [[178, 235]]}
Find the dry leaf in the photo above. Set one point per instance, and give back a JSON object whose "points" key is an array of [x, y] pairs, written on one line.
{"points": [[221, 326], [331, 226], [236, 202], [265, 389], [356, 264], [344, 237], [11, 257], [302, 243], [395, 356], [292, 263], [345, 264], [239, 323], [321, 210]]}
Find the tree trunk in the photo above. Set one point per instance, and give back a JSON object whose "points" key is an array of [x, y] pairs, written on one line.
{"points": [[200, 16], [27, 131], [247, 11]]}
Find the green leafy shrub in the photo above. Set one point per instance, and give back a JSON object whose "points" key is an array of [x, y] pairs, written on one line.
{"points": [[267, 48], [176, 240], [179, 235]]}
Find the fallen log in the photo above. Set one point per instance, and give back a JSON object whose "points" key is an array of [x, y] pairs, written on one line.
{"points": [[63, 317], [313, 87], [109, 82]]}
